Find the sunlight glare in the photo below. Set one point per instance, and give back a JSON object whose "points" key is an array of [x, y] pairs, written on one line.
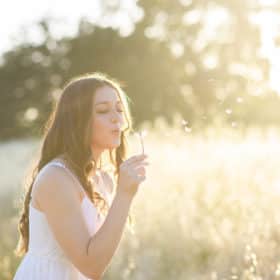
{"points": [[269, 22]]}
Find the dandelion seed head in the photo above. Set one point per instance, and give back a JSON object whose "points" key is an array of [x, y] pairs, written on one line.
{"points": [[143, 133]]}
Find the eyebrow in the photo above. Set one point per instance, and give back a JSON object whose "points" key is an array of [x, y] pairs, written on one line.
{"points": [[105, 102]]}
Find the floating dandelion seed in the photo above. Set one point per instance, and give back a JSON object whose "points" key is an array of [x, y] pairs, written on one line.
{"points": [[239, 99], [184, 122], [277, 272], [228, 111], [185, 126]]}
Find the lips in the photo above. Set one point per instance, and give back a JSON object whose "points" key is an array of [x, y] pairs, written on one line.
{"points": [[116, 132]]}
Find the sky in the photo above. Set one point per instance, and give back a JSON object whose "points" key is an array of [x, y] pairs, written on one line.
{"points": [[15, 13], [65, 15]]}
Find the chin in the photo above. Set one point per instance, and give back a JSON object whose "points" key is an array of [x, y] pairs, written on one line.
{"points": [[113, 146]]}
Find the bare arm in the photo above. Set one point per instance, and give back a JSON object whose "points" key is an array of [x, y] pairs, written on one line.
{"points": [[58, 197], [105, 242]]}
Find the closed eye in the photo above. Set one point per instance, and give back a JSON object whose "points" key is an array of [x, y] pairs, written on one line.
{"points": [[104, 112]]}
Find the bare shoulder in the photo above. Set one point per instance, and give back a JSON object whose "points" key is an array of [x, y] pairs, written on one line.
{"points": [[60, 202], [54, 181]]}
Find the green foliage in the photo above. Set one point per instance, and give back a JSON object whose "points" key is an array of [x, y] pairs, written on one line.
{"points": [[192, 58]]}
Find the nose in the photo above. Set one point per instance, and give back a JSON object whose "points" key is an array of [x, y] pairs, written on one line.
{"points": [[116, 117]]}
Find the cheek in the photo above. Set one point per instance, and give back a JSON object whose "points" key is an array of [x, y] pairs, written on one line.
{"points": [[99, 128], [100, 121]]}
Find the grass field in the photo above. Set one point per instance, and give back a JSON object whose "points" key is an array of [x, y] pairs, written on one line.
{"points": [[208, 210]]}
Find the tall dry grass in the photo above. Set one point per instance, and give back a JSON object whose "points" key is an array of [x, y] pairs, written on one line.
{"points": [[209, 208]]}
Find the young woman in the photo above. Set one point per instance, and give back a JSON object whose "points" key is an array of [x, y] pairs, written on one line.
{"points": [[74, 211]]}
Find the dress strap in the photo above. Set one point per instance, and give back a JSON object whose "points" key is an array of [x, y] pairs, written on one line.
{"points": [[103, 192]]}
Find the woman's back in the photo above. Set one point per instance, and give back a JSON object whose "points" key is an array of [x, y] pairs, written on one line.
{"points": [[45, 259]]}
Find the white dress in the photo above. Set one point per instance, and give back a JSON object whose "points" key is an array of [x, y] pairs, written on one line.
{"points": [[45, 259]]}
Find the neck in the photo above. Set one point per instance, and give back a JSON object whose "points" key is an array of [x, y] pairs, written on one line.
{"points": [[96, 154]]}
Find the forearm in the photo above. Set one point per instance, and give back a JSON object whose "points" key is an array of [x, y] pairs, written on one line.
{"points": [[105, 242]]}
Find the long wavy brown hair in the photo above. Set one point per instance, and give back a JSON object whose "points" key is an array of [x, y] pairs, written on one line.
{"points": [[68, 132]]}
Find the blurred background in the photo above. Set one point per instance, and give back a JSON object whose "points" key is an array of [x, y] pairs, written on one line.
{"points": [[203, 81]]}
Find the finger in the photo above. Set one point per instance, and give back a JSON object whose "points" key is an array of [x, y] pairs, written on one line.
{"points": [[138, 164], [135, 163], [136, 158], [140, 178], [141, 171]]}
